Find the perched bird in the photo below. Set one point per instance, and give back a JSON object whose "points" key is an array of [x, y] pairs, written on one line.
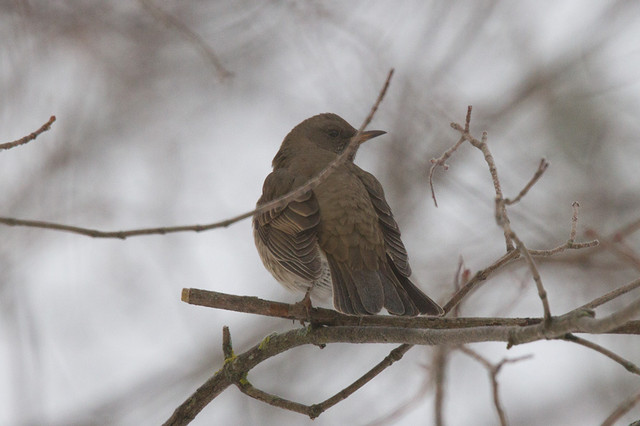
{"points": [[340, 237]]}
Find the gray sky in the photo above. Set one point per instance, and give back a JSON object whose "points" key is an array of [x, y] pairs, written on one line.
{"points": [[151, 132]]}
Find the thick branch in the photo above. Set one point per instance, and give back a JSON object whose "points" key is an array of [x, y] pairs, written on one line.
{"points": [[328, 317], [237, 367]]}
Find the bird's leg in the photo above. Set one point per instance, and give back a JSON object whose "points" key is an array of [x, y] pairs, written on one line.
{"points": [[306, 304]]}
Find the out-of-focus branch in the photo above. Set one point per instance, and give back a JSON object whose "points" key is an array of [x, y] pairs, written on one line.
{"points": [[440, 361], [190, 35], [617, 246], [621, 410], [31, 136], [493, 370]]}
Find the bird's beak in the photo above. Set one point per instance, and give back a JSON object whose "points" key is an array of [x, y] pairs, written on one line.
{"points": [[370, 134]]}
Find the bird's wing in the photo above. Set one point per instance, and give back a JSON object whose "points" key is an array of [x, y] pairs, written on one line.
{"points": [[290, 232], [390, 230], [397, 254]]}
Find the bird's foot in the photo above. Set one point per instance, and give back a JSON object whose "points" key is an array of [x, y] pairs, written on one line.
{"points": [[306, 304]]}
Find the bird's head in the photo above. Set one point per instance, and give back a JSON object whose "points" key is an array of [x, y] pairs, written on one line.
{"points": [[328, 132]]}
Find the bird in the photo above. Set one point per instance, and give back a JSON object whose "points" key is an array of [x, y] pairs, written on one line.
{"points": [[340, 238]]}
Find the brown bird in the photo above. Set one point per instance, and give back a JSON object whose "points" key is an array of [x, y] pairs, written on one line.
{"points": [[340, 237]]}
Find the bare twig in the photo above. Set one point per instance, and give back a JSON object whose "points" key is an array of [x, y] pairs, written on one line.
{"points": [[616, 245], [279, 202], [621, 410], [611, 295], [395, 355], [503, 221], [541, 169], [542, 293], [441, 161], [570, 243], [398, 411], [628, 365], [574, 223], [190, 35], [501, 214], [440, 358], [31, 136], [462, 275], [626, 230], [479, 277], [493, 370], [501, 211]]}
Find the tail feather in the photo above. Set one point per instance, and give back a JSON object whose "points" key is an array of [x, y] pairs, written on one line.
{"points": [[356, 292], [421, 301], [366, 292]]}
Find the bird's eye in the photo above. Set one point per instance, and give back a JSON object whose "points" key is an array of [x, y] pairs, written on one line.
{"points": [[334, 133]]}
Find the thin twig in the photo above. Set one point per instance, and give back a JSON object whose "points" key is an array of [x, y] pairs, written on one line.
{"points": [[617, 247], [248, 389], [541, 169], [493, 370], [621, 410], [570, 243], [479, 277], [441, 161], [626, 230], [401, 409], [462, 274], [628, 365], [574, 222], [31, 136], [395, 355], [542, 293], [279, 202], [611, 295], [501, 211]]}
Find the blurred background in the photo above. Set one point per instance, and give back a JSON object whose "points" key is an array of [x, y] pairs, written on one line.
{"points": [[169, 113]]}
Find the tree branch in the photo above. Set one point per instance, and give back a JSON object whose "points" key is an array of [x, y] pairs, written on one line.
{"points": [[628, 365], [621, 410], [331, 318], [190, 35], [493, 370], [236, 368], [279, 202], [537, 175], [31, 136]]}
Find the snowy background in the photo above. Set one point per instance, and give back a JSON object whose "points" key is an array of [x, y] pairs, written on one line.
{"points": [[152, 130]]}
